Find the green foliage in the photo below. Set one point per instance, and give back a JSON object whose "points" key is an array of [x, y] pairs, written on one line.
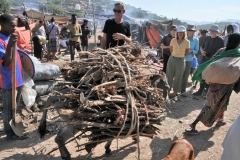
{"points": [[52, 8], [4, 6], [79, 14], [178, 22], [56, 1]]}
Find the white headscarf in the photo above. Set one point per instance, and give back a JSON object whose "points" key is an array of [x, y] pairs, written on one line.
{"points": [[235, 28]]}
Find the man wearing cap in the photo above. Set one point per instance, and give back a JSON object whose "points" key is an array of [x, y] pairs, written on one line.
{"points": [[85, 34], [210, 46], [116, 31], [165, 45], [194, 47]]}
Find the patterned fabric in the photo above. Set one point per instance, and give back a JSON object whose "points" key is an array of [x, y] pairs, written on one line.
{"points": [[6, 72], [53, 45], [53, 33], [217, 100]]}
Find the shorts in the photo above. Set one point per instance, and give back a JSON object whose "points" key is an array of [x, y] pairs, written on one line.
{"points": [[53, 45], [84, 41]]}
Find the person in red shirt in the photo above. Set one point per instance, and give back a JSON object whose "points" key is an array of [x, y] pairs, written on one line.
{"points": [[7, 40]]}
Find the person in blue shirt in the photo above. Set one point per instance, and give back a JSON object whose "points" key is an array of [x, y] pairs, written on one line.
{"points": [[7, 40], [194, 47]]}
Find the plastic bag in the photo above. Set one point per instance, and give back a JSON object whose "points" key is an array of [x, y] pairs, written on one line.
{"points": [[63, 43], [28, 94]]}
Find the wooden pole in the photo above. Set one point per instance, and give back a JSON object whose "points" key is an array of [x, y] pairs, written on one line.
{"points": [[14, 103], [94, 27]]}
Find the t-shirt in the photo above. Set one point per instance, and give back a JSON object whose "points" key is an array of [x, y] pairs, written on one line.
{"points": [[112, 27], [5, 72], [166, 41], [39, 30], [74, 29], [212, 45], [54, 30], [179, 50], [85, 31]]}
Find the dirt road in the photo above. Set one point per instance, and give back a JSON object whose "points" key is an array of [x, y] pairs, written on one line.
{"points": [[207, 144]]}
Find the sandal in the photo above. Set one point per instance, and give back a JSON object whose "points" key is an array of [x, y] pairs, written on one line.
{"points": [[221, 123], [190, 131]]}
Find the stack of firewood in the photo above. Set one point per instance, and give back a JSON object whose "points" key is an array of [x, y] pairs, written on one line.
{"points": [[111, 95]]}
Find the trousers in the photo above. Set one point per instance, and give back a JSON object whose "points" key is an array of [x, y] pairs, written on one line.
{"points": [[7, 109], [175, 69], [186, 75]]}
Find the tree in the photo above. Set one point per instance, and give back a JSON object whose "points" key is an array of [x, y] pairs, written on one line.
{"points": [[78, 14], [51, 7], [56, 1], [4, 6]]}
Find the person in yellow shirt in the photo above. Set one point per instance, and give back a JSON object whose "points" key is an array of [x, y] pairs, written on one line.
{"points": [[179, 48], [74, 41]]}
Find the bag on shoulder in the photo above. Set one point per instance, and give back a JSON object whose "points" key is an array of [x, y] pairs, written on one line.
{"points": [[223, 71], [48, 33]]}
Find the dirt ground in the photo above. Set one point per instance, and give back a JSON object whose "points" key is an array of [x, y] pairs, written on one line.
{"points": [[207, 145]]}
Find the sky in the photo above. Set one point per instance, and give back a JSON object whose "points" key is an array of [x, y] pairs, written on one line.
{"points": [[194, 10]]}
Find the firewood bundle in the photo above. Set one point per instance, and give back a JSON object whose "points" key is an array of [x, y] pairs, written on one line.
{"points": [[112, 94]]}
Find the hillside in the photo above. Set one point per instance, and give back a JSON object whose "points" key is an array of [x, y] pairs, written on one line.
{"points": [[221, 25], [61, 7]]}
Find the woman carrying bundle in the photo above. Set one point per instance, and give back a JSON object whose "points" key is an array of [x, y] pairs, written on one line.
{"points": [[220, 87]]}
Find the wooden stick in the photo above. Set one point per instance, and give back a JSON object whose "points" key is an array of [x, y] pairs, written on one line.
{"points": [[14, 103]]}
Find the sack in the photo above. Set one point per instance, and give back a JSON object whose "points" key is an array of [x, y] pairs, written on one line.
{"points": [[223, 71], [28, 94], [46, 71], [44, 87]]}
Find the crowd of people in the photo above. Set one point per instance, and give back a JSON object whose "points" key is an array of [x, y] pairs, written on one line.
{"points": [[182, 51], [47, 34]]}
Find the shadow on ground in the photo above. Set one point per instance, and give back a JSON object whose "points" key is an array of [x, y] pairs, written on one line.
{"points": [[201, 142]]}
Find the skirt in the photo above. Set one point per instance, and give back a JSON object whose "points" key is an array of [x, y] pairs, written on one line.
{"points": [[53, 45], [217, 100]]}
